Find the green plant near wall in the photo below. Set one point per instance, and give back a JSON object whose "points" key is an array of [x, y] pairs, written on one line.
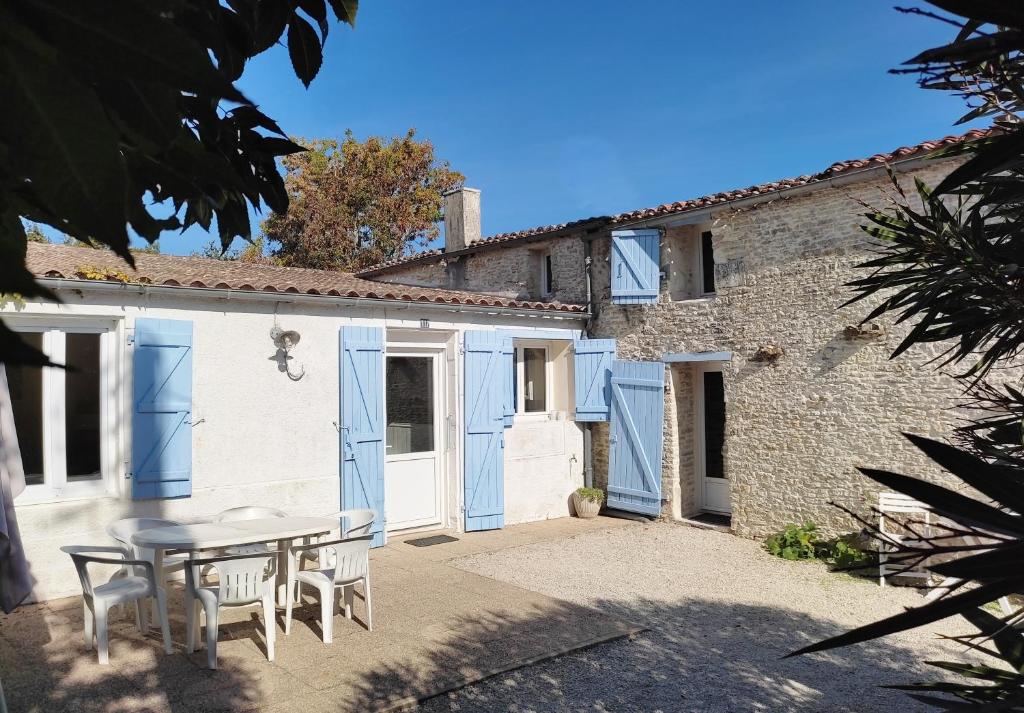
{"points": [[795, 542], [594, 495]]}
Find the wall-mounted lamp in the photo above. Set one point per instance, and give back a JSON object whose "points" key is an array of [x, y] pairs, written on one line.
{"points": [[285, 341]]}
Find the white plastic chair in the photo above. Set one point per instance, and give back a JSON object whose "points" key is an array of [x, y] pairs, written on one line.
{"points": [[243, 580], [122, 531], [248, 512], [351, 566], [139, 582], [889, 503], [896, 503], [351, 523]]}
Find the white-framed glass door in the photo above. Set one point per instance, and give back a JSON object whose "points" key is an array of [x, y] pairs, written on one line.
{"points": [[414, 438], [713, 481]]}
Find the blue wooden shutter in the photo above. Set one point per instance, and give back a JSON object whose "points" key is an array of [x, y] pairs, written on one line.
{"points": [[636, 271], [593, 376], [637, 419], [162, 409], [508, 375], [484, 460], [362, 423]]}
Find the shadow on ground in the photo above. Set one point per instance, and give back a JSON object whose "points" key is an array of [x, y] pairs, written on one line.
{"points": [[695, 656]]}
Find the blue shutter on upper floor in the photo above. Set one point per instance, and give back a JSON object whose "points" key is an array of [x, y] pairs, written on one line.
{"points": [[162, 409], [637, 420], [635, 265], [484, 458], [362, 423], [592, 364], [508, 367]]}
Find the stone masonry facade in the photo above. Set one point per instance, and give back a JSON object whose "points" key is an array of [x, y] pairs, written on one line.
{"points": [[798, 425]]}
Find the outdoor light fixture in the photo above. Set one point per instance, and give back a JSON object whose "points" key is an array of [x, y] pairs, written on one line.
{"points": [[285, 341]]}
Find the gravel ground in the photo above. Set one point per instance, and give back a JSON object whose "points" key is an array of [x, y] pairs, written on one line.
{"points": [[721, 613]]}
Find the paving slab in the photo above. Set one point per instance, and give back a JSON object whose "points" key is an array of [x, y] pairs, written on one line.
{"points": [[436, 628]]}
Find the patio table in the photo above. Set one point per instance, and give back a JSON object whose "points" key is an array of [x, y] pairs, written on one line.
{"points": [[215, 535]]}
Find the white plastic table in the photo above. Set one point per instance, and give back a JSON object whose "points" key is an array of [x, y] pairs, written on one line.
{"points": [[215, 535]]}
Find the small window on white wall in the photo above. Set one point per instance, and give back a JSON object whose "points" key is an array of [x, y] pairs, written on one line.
{"points": [[63, 416], [532, 379]]}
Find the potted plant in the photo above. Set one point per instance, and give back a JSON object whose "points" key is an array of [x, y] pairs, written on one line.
{"points": [[587, 501]]}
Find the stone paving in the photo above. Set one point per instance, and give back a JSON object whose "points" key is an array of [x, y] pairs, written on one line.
{"points": [[436, 628]]}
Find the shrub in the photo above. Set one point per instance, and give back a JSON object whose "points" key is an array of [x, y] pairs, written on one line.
{"points": [[844, 553], [594, 495], [795, 542]]}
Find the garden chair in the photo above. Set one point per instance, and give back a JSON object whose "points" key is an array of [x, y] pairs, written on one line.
{"points": [[351, 557], [122, 531], [890, 504], [248, 512], [351, 523], [243, 580], [138, 582]]}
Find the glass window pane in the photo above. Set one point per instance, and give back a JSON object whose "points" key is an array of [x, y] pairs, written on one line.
{"points": [[535, 388], [82, 406], [714, 424], [410, 405], [26, 384]]}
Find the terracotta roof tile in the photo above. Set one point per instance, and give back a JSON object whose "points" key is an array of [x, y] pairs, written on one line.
{"points": [[71, 263], [838, 168]]}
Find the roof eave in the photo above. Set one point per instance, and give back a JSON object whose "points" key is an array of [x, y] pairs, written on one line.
{"points": [[61, 283]]}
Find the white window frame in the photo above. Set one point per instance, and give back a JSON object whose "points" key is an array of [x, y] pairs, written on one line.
{"points": [[545, 275], [521, 412], [55, 485], [700, 264]]}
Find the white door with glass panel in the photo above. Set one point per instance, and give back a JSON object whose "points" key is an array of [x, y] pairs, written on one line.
{"points": [[413, 439], [710, 412]]}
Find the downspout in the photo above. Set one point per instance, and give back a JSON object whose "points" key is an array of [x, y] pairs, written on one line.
{"points": [[588, 434]]}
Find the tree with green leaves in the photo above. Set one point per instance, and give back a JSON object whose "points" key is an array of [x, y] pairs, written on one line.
{"points": [[357, 203], [123, 115], [951, 263]]}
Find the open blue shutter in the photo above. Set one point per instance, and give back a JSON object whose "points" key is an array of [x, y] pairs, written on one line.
{"points": [[362, 423], [484, 460], [636, 271], [508, 368], [593, 376], [162, 409], [637, 419]]}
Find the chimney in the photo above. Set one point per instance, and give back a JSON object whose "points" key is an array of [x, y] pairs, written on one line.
{"points": [[461, 219]]}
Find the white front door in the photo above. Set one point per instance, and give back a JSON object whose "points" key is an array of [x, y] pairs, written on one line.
{"points": [[710, 411], [413, 439]]}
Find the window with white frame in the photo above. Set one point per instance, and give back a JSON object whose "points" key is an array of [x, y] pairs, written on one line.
{"points": [[532, 380], [63, 416], [547, 280]]}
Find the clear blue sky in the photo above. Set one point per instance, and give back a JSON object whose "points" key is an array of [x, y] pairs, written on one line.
{"points": [[563, 110]]}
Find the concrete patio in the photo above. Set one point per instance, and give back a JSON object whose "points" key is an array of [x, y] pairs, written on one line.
{"points": [[429, 617]]}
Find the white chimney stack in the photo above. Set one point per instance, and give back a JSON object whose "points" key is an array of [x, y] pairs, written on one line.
{"points": [[461, 219]]}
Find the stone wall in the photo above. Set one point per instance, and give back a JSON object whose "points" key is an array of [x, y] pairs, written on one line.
{"points": [[795, 428], [512, 272]]}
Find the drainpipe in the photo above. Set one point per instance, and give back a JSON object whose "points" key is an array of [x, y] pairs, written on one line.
{"points": [[588, 433]]}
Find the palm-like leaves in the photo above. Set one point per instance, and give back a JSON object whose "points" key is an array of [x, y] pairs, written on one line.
{"points": [[951, 263]]}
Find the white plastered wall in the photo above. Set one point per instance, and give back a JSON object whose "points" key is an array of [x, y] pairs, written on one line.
{"points": [[259, 438]]}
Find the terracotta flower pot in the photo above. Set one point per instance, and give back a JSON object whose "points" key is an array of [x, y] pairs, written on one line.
{"points": [[584, 507]]}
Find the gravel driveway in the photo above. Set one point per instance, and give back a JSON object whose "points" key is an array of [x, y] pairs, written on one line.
{"points": [[721, 613]]}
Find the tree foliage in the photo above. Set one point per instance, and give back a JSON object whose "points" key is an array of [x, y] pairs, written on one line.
{"points": [[116, 109], [356, 203], [952, 265]]}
